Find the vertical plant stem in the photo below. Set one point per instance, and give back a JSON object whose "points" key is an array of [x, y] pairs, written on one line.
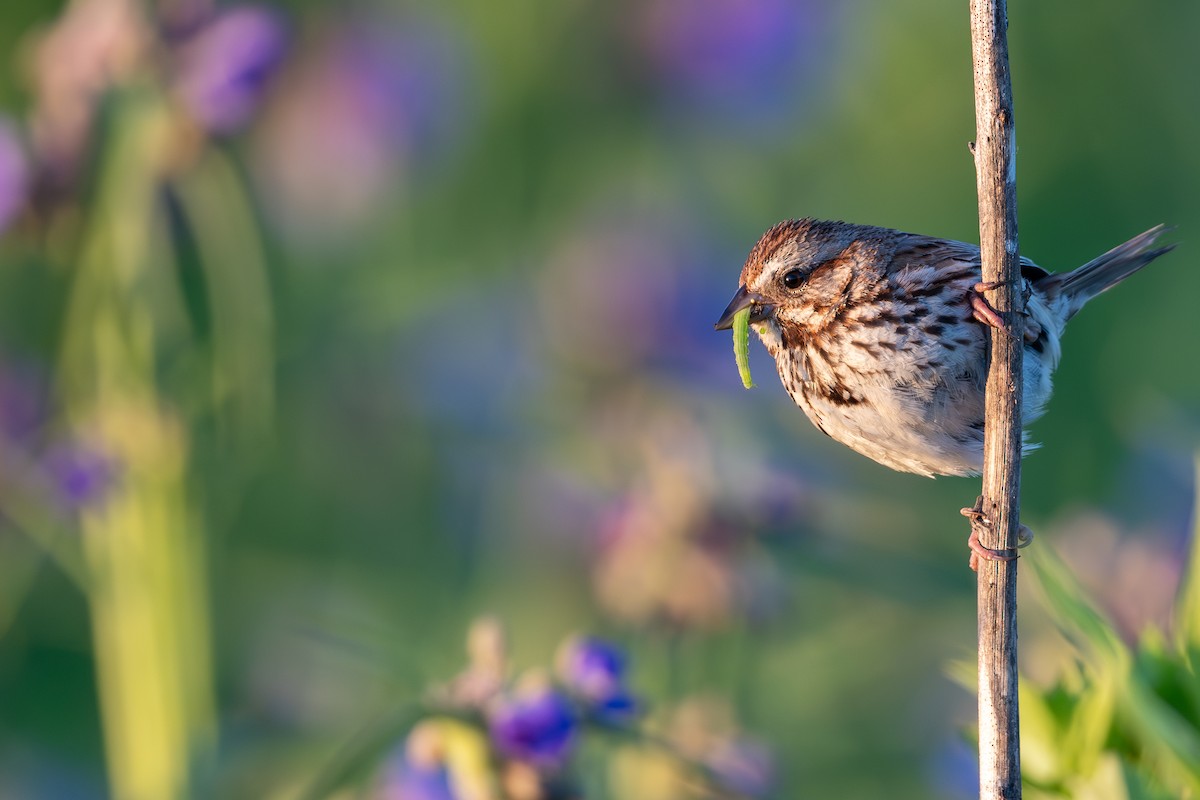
{"points": [[995, 167], [142, 544]]}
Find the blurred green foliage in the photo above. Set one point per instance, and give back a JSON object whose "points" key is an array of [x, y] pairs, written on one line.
{"points": [[1121, 721], [428, 335]]}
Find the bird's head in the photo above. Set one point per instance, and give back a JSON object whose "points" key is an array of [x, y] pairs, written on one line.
{"points": [[782, 281]]}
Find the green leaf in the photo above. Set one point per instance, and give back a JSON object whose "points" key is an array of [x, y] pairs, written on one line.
{"points": [[1141, 786], [1166, 740], [1168, 674], [1072, 612], [1087, 733], [1187, 604], [1105, 781], [1041, 738], [221, 216]]}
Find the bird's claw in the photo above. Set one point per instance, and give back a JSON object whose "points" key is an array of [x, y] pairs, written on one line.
{"points": [[986, 313], [982, 310], [979, 521]]}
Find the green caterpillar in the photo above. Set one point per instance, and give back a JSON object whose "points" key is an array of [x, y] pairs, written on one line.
{"points": [[741, 345]]}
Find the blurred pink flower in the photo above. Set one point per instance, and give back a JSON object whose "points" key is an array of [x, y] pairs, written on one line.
{"points": [[372, 100], [668, 551], [704, 730], [92, 45], [1134, 575]]}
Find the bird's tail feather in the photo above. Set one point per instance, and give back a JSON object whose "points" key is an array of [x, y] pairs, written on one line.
{"points": [[1105, 271]]}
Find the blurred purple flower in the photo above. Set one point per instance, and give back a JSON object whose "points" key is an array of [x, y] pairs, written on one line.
{"points": [[743, 55], [610, 294], [592, 666], [378, 99], [80, 475], [636, 290], [954, 770], [14, 174], [409, 780], [407, 79], [595, 669], [536, 724], [224, 66]]}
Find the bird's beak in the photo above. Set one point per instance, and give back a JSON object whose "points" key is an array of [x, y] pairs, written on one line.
{"points": [[759, 308]]}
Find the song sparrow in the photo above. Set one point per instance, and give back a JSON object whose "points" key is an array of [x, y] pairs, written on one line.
{"points": [[879, 335]]}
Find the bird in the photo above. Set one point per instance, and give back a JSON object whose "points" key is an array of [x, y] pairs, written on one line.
{"points": [[881, 336]]}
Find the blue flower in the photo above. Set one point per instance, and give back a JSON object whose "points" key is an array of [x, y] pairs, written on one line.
{"points": [[536, 724], [226, 64], [619, 708], [955, 770], [595, 670], [592, 666]]}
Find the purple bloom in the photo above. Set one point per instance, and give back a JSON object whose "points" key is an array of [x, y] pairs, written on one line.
{"points": [[611, 291], [536, 724], [408, 780], [408, 81], [14, 174], [732, 54], [595, 669], [79, 475], [592, 666], [225, 66], [619, 708], [377, 101]]}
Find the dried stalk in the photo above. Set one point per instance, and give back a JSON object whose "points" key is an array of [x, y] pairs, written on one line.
{"points": [[995, 166]]}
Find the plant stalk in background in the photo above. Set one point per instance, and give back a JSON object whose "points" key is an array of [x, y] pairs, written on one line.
{"points": [[144, 546], [147, 589]]}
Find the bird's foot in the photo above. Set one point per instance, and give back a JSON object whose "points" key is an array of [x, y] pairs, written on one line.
{"points": [[986, 313], [980, 521], [982, 310]]}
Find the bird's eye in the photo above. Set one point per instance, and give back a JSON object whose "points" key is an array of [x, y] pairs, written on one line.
{"points": [[792, 279]]}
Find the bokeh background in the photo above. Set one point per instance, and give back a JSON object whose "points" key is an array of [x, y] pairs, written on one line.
{"points": [[327, 328]]}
